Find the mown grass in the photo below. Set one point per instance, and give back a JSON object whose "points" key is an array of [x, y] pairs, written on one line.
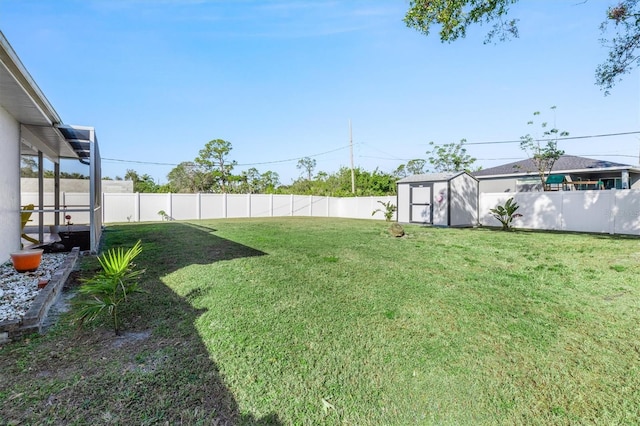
{"points": [[325, 321]]}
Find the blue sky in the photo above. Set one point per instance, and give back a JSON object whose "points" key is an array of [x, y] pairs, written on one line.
{"points": [[281, 79]]}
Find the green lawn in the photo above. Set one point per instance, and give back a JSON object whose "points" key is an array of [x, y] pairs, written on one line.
{"points": [[328, 321]]}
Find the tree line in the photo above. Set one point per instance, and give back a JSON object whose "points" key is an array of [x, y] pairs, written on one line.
{"points": [[213, 171]]}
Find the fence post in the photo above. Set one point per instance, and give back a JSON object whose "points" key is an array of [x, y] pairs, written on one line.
{"points": [[328, 206], [291, 210], [249, 204], [271, 205], [612, 211], [310, 205], [224, 205], [170, 200], [137, 206], [199, 205]]}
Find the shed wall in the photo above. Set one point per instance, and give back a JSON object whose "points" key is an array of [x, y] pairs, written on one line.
{"points": [[403, 203], [464, 201], [9, 184], [440, 204]]}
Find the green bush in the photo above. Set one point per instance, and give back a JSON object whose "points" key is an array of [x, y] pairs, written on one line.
{"points": [[110, 287]]}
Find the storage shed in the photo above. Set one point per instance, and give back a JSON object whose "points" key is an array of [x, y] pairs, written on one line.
{"points": [[440, 199]]}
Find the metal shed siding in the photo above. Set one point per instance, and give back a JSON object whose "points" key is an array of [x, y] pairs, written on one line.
{"points": [[440, 204], [464, 201], [454, 199], [403, 203]]}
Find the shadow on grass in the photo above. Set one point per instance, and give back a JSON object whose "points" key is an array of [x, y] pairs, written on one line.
{"points": [[179, 245], [160, 371]]}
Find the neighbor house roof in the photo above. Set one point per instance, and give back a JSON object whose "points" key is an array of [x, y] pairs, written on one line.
{"points": [[431, 177], [566, 163]]}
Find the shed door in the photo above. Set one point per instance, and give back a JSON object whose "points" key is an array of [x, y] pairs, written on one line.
{"points": [[420, 200]]}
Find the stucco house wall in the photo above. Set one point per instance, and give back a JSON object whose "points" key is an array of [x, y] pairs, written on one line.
{"points": [[9, 181]]}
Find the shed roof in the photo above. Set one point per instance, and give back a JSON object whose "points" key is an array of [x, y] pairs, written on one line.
{"points": [[432, 177], [565, 163]]}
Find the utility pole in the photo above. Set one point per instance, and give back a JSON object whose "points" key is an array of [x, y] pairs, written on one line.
{"points": [[353, 174]]}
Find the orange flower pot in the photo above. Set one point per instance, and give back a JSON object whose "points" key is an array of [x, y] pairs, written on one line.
{"points": [[26, 260]]}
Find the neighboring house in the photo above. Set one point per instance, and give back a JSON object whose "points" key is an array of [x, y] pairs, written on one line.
{"points": [[567, 174], [30, 126]]}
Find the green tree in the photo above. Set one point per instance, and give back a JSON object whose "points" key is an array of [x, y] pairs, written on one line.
{"points": [[451, 157], [28, 167], [141, 183], [214, 161], [623, 45], [543, 151], [307, 165], [254, 182], [412, 167], [270, 181], [453, 17], [250, 181], [187, 177]]}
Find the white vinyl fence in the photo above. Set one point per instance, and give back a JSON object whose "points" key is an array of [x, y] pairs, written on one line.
{"points": [[147, 207], [611, 212]]}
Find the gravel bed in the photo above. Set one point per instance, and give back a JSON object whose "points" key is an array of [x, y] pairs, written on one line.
{"points": [[18, 290]]}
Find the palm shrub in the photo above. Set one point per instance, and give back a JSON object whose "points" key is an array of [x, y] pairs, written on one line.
{"points": [[388, 211], [110, 287], [506, 213]]}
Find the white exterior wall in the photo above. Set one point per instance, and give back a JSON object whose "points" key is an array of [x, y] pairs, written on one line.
{"points": [[613, 211], [9, 185]]}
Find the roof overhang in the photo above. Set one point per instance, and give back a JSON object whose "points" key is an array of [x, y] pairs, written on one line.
{"points": [[24, 101], [559, 172]]}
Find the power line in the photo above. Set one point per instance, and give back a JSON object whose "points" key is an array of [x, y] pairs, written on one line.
{"points": [[294, 159], [566, 138], [245, 164]]}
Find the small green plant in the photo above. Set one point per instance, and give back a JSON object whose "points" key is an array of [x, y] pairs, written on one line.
{"points": [[506, 213], [163, 215], [388, 211], [110, 287]]}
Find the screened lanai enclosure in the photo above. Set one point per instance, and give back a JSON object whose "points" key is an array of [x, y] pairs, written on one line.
{"points": [[59, 219], [34, 142]]}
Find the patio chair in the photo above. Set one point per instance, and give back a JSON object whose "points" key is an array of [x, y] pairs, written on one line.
{"points": [[25, 216]]}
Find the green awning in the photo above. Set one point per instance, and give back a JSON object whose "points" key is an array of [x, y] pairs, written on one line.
{"points": [[555, 179]]}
